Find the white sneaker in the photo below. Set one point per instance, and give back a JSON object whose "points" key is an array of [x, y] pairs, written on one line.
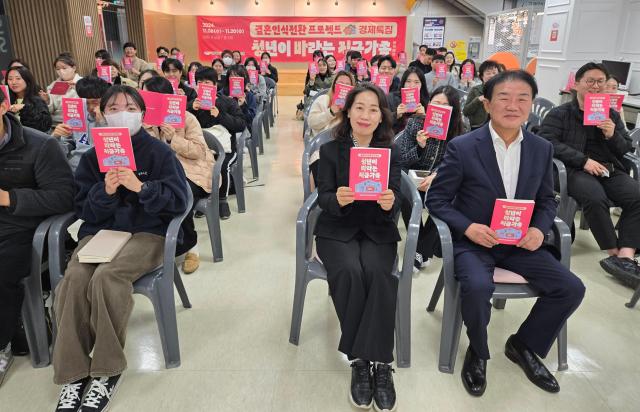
{"points": [[71, 396], [6, 359]]}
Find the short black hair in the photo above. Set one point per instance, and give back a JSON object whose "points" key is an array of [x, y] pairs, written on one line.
{"points": [[488, 65], [217, 60], [389, 59], [171, 62], [161, 48], [92, 87], [591, 66], [206, 73], [265, 54], [102, 54], [129, 44], [194, 63], [158, 84], [443, 49], [431, 52], [225, 52], [507, 76], [423, 46], [374, 59], [65, 58], [240, 71], [356, 55], [253, 60], [174, 49], [150, 71], [122, 89], [438, 57]]}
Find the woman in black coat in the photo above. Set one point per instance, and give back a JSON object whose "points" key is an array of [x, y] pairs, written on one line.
{"points": [[412, 78], [357, 243], [271, 72], [26, 104]]}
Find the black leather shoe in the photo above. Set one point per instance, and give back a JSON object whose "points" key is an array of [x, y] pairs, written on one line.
{"points": [[384, 392], [624, 269], [528, 361], [474, 373], [225, 212], [361, 384]]}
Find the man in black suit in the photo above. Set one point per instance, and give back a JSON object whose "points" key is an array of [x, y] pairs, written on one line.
{"points": [[500, 160]]}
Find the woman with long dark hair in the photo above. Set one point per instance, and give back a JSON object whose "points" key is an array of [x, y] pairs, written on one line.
{"points": [[419, 152], [26, 104], [357, 242], [320, 81], [411, 78]]}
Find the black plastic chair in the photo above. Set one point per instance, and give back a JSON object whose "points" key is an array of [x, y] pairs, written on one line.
{"points": [[210, 206]]}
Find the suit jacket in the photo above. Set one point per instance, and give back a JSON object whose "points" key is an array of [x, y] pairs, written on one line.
{"points": [[343, 223], [469, 182]]}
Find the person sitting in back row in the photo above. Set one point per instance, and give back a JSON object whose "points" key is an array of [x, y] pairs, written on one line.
{"points": [[172, 70], [26, 104], [474, 106], [433, 82]]}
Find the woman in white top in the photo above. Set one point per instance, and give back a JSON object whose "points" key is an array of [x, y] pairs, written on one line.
{"points": [[66, 70]]}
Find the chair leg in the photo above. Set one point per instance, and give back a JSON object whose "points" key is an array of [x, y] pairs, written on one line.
{"points": [[634, 298], [300, 292], [253, 153], [212, 215], [584, 225], [177, 279], [451, 327], [562, 349], [239, 186], [165, 311], [34, 321], [437, 291], [265, 123], [403, 323], [499, 303], [260, 141]]}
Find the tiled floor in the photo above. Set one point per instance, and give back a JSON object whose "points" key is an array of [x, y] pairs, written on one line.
{"points": [[235, 350]]}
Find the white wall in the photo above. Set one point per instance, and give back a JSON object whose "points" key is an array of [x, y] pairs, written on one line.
{"points": [[318, 8]]}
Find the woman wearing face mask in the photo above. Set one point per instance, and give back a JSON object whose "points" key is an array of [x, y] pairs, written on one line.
{"points": [[261, 88], [197, 161], [66, 70], [26, 104], [227, 59], [93, 302], [412, 78], [357, 242], [317, 82], [271, 71], [419, 152], [218, 66]]}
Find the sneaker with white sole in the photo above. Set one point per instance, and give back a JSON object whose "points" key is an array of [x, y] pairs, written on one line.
{"points": [[71, 396], [100, 394], [6, 359]]}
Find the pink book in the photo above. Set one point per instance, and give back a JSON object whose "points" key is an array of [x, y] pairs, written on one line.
{"points": [[596, 108], [113, 148], [313, 68], [374, 74], [159, 62], [175, 83], [340, 65], [468, 71], [104, 72], [192, 79], [253, 76], [402, 58], [510, 220], [571, 81], [164, 108], [60, 88], [127, 63], [340, 94], [74, 113], [436, 121], [362, 68], [315, 59], [180, 56], [383, 81], [236, 86], [440, 70], [410, 98], [263, 67], [7, 99], [207, 96], [616, 101], [369, 172]]}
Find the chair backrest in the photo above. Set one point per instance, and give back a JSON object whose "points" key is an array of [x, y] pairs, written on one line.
{"points": [[635, 137], [256, 125], [271, 84], [215, 145], [533, 122], [541, 107], [313, 146], [313, 99]]}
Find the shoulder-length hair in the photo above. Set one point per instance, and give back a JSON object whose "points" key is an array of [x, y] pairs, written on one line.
{"points": [[456, 127], [424, 92], [383, 135], [31, 90]]}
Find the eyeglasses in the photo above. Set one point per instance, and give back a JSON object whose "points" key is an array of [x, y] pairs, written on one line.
{"points": [[591, 82]]}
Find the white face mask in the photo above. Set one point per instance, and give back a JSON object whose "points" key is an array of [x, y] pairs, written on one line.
{"points": [[228, 61], [130, 120], [66, 74]]}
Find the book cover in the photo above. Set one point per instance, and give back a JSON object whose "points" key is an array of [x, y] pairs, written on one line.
{"points": [[60, 88], [253, 76], [104, 72], [402, 58], [164, 108], [362, 68], [596, 108], [236, 86], [383, 81], [192, 79], [127, 63], [369, 172], [441, 70], [7, 99], [340, 94], [510, 220], [436, 121], [103, 247], [263, 67], [616, 101], [410, 98], [207, 95], [315, 59], [375, 72], [159, 62], [341, 65], [113, 148], [74, 113], [175, 83], [468, 71], [313, 68]]}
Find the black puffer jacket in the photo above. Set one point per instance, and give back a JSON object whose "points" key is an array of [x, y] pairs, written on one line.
{"points": [[35, 114], [35, 172], [564, 129]]}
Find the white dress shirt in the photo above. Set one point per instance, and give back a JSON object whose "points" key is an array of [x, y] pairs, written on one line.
{"points": [[508, 160]]}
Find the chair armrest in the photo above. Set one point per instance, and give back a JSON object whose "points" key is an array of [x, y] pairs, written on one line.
{"points": [[633, 163], [446, 243], [562, 241], [305, 224], [57, 252], [413, 229]]}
